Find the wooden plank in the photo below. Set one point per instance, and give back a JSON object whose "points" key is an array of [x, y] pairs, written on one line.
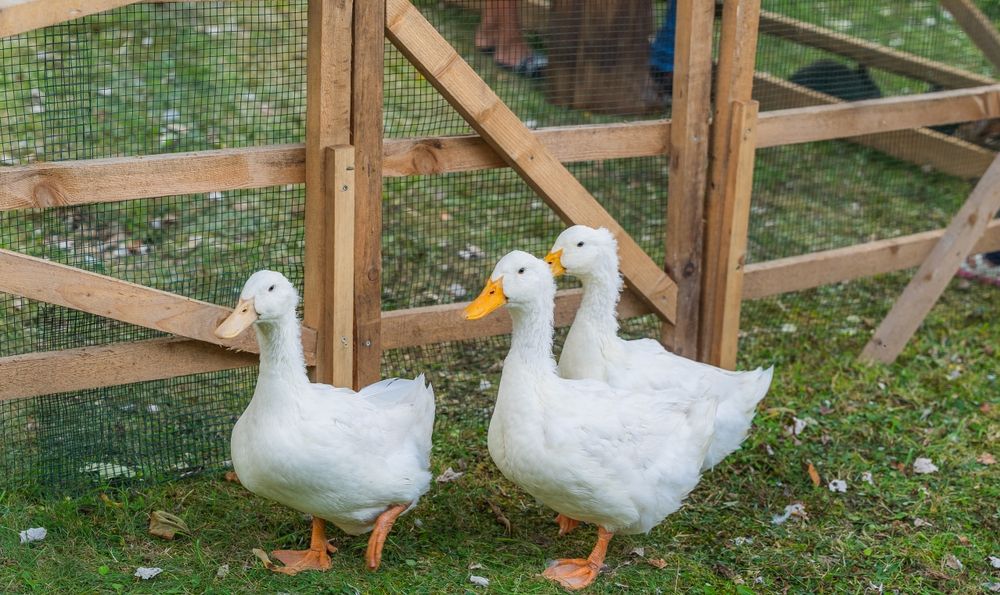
{"points": [[806, 271], [89, 181], [20, 16], [735, 220], [689, 137], [339, 292], [888, 114], [932, 277], [977, 26], [593, 142], [366, 136], [924, 147], [437, 324], [869, 53], [734, 83], [42, 280], [328, 119], [492, 119], [83, 368]]}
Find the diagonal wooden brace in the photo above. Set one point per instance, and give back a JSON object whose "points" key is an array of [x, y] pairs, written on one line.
{"points": [[937, 270], [62, 285], [459, 84]]}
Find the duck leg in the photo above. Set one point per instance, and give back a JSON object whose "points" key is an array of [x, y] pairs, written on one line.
{"points": [[566, 524], [383, 524], [314, 558], [577, 573]]}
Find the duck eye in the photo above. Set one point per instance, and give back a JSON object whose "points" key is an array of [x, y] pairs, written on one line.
{"points": [[520, 271], [579, 245], [271, 288]]}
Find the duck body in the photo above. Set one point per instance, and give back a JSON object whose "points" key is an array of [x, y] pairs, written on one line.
{"points": [[594, 350]]}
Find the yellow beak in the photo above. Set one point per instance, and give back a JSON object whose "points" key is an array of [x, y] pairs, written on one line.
{"points": [[490, 299], [242, 317], [555, 262]]}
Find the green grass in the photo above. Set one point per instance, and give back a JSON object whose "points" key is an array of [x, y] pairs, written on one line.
{"points": [[861, 419]]}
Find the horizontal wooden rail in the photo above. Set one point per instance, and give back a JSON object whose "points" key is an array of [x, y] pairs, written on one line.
{"points": [[806, 271], [869, 53], [84, 368], [436, 324], [595, 142], [888, 114], [88, 181], [39, 279], [20, 16]]}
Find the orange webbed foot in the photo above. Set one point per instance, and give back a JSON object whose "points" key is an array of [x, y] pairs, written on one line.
{"points": [[566, 524], [383, 524], [296, 561], [573, 574]]}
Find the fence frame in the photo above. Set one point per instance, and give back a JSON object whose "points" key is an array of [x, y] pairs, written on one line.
{"points": [[345, 149]]}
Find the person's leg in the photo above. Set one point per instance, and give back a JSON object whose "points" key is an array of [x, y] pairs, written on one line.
{"points": [[486, 33], [511, 49], [661, 58]]}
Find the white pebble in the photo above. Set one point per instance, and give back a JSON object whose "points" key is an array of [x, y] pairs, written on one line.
{"points": [[33, 534], [147, 573]]}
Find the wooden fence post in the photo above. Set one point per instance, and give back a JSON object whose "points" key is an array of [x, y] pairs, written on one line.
{"points": [[366, 136], [688, 168], [328, 119], [734, 82]]}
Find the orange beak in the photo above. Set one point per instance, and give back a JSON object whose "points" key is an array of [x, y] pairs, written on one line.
{"points": [[490, 299], [242, 317], [555, 262]]}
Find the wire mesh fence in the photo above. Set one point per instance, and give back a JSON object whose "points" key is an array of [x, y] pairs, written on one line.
{"points": [[159, 78]]}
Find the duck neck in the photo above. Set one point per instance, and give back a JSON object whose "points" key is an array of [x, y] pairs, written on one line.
{"points": [[601, 291], [531, 339], [281, 349]]}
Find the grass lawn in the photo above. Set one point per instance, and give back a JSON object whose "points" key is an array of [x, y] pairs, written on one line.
{"points": [[161, 77]]}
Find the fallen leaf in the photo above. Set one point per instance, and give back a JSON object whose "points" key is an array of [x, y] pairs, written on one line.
{"points": [[475, 566], [919, 522], [222, 571], [263, 558], [165, 525], [813, 475], [658, 562], [838, 485], [986, 459], [791, 510], [33, 534], [231, 476], [147, 573], [449, 475], [500, 516], [985, 407], [109, 501], [952, 562], [479, 581], [924, 466]]}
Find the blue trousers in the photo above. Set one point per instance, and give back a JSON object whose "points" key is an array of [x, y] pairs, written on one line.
{"points": [[662, 52]]}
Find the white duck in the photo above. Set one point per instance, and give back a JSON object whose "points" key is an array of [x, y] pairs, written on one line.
{"points": [[622, 459], [594, 350], [356, 459]]}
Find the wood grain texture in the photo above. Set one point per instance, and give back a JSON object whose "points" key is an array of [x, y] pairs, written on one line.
{"points": [[594, 142], [937, 270], [20, 16], [977, 26], [366, 136], [734, 83], [689, 139], [923, 147], [438, 324], [869, 53], [417, 39], [83, 368], [90, 181], [328, 120], [338, 304], [806, 271], [888, 114], [735, 222], [66, 286]]}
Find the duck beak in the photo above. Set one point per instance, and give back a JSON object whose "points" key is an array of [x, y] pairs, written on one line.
{"points": [[242, 317], [491, 298], [555, 262]]}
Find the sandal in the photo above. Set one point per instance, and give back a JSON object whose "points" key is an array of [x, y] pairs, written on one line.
{"points": [[531, 67], [979, 268]]}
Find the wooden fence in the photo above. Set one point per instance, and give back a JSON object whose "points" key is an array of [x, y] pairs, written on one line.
{"points": [[696, 293]]}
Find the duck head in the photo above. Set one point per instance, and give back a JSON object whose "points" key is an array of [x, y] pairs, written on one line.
{"points": [[519, 279], [266, 296], [582, 251]]}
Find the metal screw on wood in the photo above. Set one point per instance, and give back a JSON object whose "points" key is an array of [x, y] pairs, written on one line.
{"points": [[368, 343], [343, 341]]}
